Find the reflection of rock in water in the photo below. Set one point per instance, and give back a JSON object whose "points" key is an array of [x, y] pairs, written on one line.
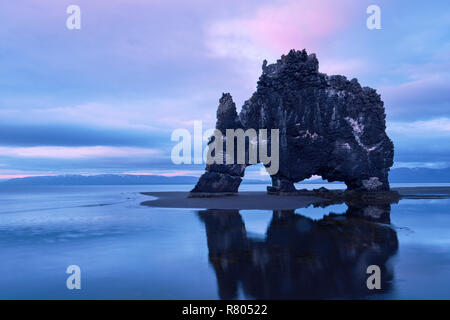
{"points": [[300, 257]]}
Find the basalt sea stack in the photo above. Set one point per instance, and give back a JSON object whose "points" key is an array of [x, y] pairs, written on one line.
{"points": [[328, 126]]}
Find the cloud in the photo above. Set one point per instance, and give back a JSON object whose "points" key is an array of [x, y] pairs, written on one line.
{"points": [[125, 50], [22, 175], [76, 152], [421, 141], [24, 134], [429, 165], [276, 28], [421, 90], [134, 123], [422, 128], [140, 68], [242, 41], [426, 97]]}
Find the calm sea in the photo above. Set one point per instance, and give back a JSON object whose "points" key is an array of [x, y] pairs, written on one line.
{"points": [[128, 251]]}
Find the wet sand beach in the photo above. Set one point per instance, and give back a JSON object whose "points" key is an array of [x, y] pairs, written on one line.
{"points": [[242, 200], [263, 201]]}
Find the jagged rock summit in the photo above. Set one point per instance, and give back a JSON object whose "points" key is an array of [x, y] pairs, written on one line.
{"points": [[328, 126]]}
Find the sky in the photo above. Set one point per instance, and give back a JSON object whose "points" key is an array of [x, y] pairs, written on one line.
{"points": [[106, 98]]}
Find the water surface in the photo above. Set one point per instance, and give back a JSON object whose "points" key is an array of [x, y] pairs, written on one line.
{"points": [[127, 251]]}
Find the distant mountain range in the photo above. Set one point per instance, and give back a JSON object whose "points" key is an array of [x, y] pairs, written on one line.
{"points": [[107, 179], [406, 175]]}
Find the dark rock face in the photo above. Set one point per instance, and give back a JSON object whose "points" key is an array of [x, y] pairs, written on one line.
{"points": [[223, 178], [328, 126]]}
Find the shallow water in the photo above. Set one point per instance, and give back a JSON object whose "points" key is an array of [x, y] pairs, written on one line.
{"points": [[127, 251]]}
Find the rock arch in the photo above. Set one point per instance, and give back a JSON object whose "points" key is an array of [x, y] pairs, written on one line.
{"points": [[329, 126]]}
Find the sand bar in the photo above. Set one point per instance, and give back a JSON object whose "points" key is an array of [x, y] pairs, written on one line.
{"points": [[263, 201]]}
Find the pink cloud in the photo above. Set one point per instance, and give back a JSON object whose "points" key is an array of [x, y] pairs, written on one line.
{"points": [[298, 24], [279, 27], [14, 176]]}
